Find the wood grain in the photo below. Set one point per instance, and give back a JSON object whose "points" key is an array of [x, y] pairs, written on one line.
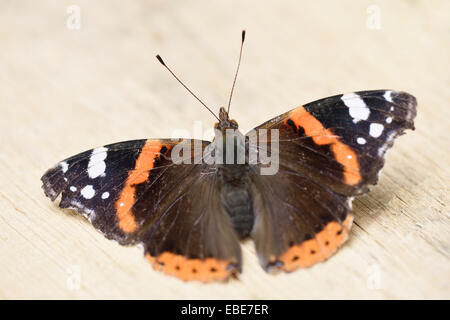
{"points": [[63, 91]]}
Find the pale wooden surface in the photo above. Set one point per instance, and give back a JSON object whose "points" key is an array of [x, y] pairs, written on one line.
{"points": [[63, 91]]}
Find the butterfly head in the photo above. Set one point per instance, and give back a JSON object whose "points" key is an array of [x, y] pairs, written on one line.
{"points": [[225, 122]]}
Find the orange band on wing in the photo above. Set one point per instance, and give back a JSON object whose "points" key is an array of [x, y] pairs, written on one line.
{"points": [[318, 249], [205, 270], [144, 163], [321, 136]]}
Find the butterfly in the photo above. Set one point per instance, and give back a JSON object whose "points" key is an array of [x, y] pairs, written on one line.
{"points": [[189, 207]]}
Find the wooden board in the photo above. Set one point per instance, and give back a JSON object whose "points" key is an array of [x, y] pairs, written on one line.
{"points": [[67, 90]]}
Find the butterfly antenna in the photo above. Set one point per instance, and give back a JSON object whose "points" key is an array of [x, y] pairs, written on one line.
{"points": [[162, 62], [237, 70]]}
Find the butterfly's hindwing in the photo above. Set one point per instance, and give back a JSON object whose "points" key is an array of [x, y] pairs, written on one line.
{"points": [[189, 234], [298, 222]]}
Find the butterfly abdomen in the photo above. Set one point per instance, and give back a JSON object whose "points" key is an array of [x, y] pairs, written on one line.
{"points": [[236, 198]]}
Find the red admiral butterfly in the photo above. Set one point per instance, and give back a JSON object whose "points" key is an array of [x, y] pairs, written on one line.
{"points": [[189, 216]]}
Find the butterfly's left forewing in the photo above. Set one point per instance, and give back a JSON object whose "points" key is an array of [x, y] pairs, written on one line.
{"points": [[136, 192], [328, 151]]}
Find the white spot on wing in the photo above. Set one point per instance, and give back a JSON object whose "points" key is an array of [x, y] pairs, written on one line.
{"points": [[388, 96], [73, 189], [64, 166], [105, 195], [357, 108], [361, 140], [88, 192], [97, 165], [376, 129], [86, 212], [388, 119], [350, 202], [382, 150]]}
